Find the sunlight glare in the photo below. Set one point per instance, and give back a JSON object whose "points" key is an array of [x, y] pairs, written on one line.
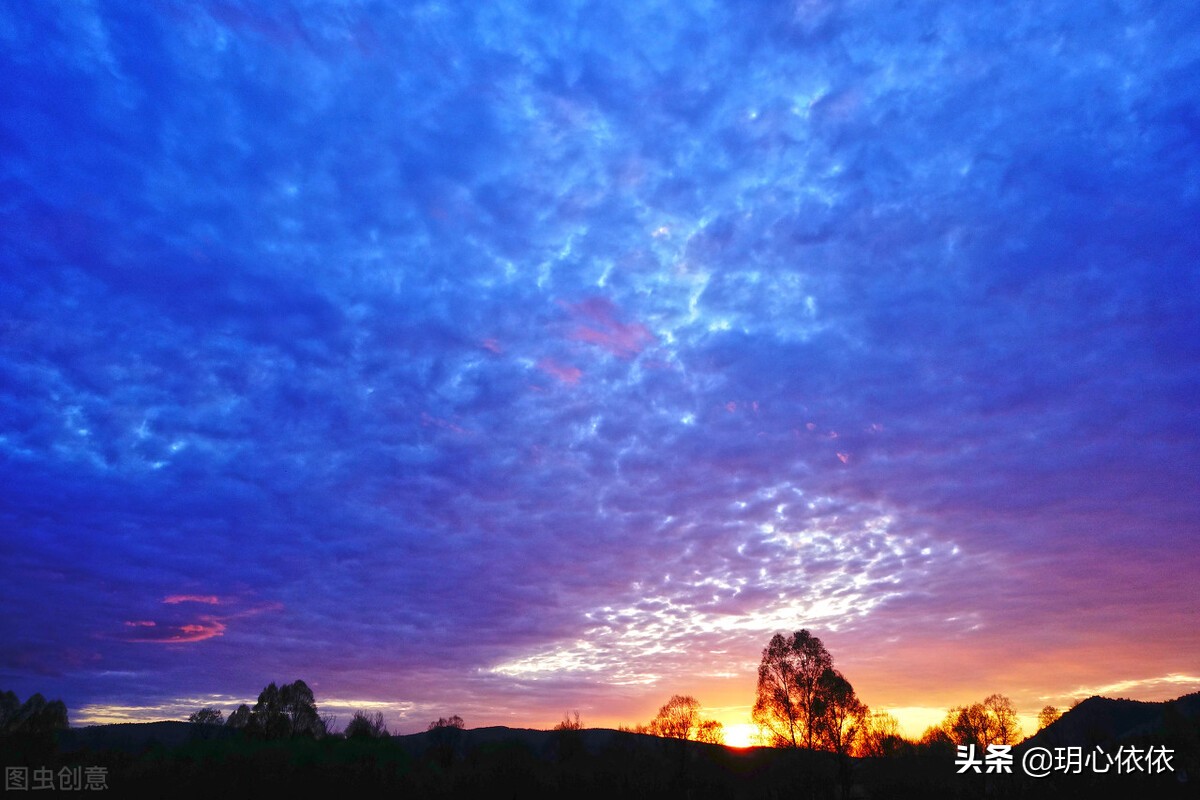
{"points": [[741, 735]]}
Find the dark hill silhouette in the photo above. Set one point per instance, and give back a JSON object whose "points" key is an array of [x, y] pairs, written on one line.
{"points": [[1105, 721], [184, 760], [542, 743], [134, 737]]}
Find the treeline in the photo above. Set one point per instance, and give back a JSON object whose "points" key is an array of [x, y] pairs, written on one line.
{"points": [[280, 713], [679, 718], [28, 729], [290, 711], [35, 717], [803, 701], [825, 743]]}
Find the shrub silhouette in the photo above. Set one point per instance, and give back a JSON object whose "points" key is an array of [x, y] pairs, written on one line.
{"points": [[366, 726]]}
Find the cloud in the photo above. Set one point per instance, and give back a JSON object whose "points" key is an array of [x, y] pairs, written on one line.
{"points": [[207, 599], [152, 632], [598, 325], [1173, 685], [564, 372], [479, 345]]}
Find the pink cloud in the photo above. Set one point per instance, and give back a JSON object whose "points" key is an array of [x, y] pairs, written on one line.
{"points": [[274, 605], [599, 326], [208, 599], [153, 633], [564, 372], [491, 344]]}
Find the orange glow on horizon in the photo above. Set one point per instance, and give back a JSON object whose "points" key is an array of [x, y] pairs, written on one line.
{"points": [[741, 735]]}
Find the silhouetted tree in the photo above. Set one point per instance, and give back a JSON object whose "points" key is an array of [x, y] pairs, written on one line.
{"points": [[839, 720], [840, 716], [569, 723], [207, 716], [881, 736], [288, 710], [785, 706], [969, 725], [994, 721], [710, 731], [1007, 728], [444, 736], [35, 717], [240, 718], [568, 742], [678, 718], [10, 706], [447, 722], [1048, 716], [937, 736], [366, 726]]}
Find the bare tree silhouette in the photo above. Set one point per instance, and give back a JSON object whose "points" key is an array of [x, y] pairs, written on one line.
{"points": [[994, 721], [678, 718], [569, 723]]}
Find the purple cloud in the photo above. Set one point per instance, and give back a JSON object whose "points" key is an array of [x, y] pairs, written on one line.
{"points": [[499, 361]]}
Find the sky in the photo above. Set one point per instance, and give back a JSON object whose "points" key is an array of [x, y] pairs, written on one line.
{"points": [[504, 359]]}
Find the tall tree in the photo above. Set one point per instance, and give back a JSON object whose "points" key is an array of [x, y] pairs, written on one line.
{"points": [[788, 676], [678, 719], [969, 725], [1006, 726], [288, 710], [841, 716], [994, 721], [240, 718], [35, 717]]}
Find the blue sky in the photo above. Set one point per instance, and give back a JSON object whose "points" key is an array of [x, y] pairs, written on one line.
{"points": [[499, 359]]}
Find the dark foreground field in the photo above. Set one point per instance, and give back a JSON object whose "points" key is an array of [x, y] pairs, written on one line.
{"points": [[184, 760]]}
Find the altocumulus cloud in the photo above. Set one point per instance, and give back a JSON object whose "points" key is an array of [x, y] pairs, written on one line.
{"points": [[501, 356]]}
